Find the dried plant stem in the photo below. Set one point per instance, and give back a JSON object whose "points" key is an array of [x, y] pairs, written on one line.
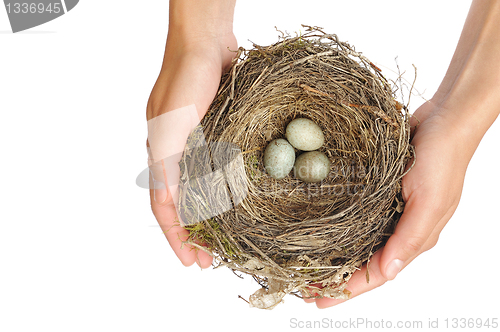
{"points": [[289, 235]]}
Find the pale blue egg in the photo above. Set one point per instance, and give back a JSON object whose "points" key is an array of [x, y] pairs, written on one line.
{"points": [[279, 158], [303, 134]]}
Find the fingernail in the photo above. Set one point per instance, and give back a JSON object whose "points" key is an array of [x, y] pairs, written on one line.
{"points": [[159, 188], [160, 196], [160, 192], [393, 269]]}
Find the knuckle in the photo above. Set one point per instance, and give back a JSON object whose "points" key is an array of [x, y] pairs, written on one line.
{"points": [[413, 245], [431, 243]]}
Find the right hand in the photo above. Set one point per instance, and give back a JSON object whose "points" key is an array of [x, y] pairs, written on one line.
{"points": [[190, 75]]}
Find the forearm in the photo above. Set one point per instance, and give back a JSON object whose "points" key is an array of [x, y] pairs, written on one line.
{"points": [[469, 96], [199, 21], [200, 37]]}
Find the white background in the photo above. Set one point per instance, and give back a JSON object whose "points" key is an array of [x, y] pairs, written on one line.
{"points": [[79, 246]]}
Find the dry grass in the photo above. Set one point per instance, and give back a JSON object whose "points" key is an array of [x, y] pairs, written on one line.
{"points": [[294, 237]]}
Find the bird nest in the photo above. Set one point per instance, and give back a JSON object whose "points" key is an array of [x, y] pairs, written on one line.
{"points": [[295, 237]]}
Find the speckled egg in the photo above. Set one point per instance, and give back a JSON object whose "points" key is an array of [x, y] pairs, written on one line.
{"points": [[304, 134], [312, 166], [279, 158]]}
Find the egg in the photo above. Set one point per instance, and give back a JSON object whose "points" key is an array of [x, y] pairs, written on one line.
{"points": [[312, 166], [279, 158], [304, 134]]}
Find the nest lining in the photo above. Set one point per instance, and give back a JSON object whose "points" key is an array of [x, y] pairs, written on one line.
{"points": [[291, 236]]}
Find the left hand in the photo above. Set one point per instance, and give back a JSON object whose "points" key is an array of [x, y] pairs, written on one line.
{"points": [[431, 190], [189, 79]]}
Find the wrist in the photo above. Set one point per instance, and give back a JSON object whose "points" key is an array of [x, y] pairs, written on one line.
{"points": [[468, 96], [464, 121]]}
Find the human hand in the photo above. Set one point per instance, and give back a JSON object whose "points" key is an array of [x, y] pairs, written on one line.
{"points": [[451, 126], [196, 55], [431, 191]]}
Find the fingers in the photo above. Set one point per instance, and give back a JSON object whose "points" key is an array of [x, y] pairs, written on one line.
{"points": [[417, 231], [168, 219], [203, 259], [163, 207], [159, 184], [431, 191], [167, 135], [166, 216], [357, 284], [157, 178], [188, 255], [420, 217], [305, 294]]}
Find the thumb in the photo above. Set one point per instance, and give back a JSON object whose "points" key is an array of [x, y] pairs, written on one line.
{"points": [[159, 184], [167, 136], [413, 233]]}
